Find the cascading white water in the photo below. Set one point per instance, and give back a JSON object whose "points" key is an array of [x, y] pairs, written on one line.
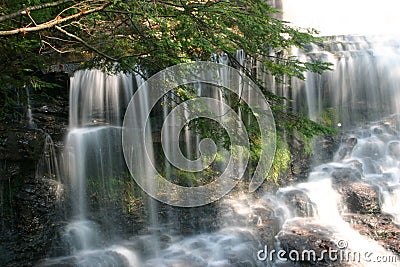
{"points": [[362, 86], [31, 124], [99, 98], [93, 154], [93, 149], [377, 150], [371, 161]]}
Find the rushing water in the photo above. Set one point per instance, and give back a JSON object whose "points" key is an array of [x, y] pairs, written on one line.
{"points": [[360, 95]]}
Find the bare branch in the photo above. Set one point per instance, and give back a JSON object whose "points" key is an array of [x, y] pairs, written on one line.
{"points": [[28, 9], [55, 49], [54, 22], [29, 15], [59, 39], [84, 43]]}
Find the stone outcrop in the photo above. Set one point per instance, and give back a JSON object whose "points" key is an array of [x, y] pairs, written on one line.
{"points": [[303, 236]]}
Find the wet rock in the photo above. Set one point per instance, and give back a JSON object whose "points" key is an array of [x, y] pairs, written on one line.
{"points": [[373, 148], [189, 221], [34, 220], [90, 258], [394, 149], [299, 167], [360, 198], [346, 148], [299, 203], [324, 148], [20, 144], [344, 176], [301, 236], [379, 227], [50, 107]]}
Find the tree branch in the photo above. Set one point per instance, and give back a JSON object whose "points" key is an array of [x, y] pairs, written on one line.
{"points": [[84, 43], [55, 49], [28, 9], [54, 22]]}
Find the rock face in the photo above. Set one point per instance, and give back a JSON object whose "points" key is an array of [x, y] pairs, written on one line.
{"points": [[35, 222], [30, 215], [29, 205], [50, 108], [20, 144]]}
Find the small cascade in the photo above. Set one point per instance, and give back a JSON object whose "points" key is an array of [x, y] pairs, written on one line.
{"points": [[369, 163], [376, 151], [31, 124], [48, 165]]}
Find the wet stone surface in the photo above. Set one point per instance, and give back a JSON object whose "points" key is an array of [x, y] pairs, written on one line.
{"points": [[302, 236]]}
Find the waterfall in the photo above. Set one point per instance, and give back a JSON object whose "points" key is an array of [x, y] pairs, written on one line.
{"points": [[360, 96], [361, 87], [93, 158]]}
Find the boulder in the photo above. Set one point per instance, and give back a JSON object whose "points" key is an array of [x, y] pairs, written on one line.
{"points": [[302, 236], [357, 196], [299, 203], [361, 198], [344, 176]]}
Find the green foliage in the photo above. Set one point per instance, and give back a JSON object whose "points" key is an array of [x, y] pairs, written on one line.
{"points": [[329, 117], [190, 179], [295, 123], [149, 34], [281, 160], [121, 192]]}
